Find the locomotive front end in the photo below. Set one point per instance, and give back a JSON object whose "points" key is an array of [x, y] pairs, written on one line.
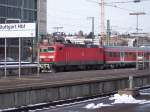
{"points": [[46, 58]]}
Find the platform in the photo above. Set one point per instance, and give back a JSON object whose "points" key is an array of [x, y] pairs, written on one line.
{"points": [[71, 77], [33, 89]]}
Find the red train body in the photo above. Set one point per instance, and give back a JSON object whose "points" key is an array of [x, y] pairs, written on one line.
{"points": [[60, 57]]}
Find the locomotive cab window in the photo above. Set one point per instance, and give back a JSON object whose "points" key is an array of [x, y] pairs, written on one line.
{"points": [[43, 50], [51, 49]]}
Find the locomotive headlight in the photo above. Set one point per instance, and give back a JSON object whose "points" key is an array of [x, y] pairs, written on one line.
{"points": [[42, 57], [50, 56]]}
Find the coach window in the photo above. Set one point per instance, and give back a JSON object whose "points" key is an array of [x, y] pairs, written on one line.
{"points": [[110, 54], [107, 53], [134, 54], [131, 54], [113, 54], [126, 54], [147, 54], [117, 54]]}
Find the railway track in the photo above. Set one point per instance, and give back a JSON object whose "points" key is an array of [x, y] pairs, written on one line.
{"points": [[54, 104], [62, 102]]}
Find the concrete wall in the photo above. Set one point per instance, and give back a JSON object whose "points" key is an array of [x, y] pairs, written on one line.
{"points": [[34, 95]]}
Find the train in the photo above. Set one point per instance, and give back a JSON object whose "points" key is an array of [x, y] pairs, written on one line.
{"points": [[65, 57]]}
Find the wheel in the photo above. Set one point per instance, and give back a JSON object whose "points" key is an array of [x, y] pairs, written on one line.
{"points": [[54, 70], [112, 66], [101, 67]]}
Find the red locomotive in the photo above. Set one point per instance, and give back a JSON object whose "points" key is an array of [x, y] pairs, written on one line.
{"points": [[61, 57]]}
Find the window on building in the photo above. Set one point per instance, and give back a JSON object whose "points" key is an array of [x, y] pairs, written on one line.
{"points": [[2, 20], [16, 3], [31, 4], [3, 11]]}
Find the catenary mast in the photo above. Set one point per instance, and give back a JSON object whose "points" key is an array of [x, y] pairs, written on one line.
{"points": [[102, 21]]}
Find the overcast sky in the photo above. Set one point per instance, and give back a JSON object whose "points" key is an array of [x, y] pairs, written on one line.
{"points": [[72, 15]]}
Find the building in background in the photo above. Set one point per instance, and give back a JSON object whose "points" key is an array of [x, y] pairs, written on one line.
{"points": [[25, 11]]}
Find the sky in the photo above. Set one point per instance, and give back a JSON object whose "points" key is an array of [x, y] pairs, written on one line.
{"points": [[72, 16]]}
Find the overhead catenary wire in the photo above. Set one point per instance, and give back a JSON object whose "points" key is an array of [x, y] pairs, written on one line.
{"points": [[106, 4], [130, 1], [113, 4], [121, 2], [125, 9], [78, 17]]}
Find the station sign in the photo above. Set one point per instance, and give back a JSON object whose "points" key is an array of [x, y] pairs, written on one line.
{"points": [[13, 30]]}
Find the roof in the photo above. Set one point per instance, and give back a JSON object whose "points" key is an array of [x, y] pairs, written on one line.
{"points": [[124, 48]]}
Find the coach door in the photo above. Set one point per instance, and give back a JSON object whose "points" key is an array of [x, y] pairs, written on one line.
{"points": [[122, 56], [148, 60]]}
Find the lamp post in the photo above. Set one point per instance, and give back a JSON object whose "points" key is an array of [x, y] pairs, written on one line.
{"points": [[137, 14], [38, 26], [57, 28], [92, 18], [108, 33], [13, 21]]}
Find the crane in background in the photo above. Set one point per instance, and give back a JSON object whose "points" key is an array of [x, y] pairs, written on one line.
{"points": [[102, 14]]}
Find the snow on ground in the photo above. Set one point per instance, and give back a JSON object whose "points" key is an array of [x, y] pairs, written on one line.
{"points": [[118, 99], [93, 106], [128, 99]]}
